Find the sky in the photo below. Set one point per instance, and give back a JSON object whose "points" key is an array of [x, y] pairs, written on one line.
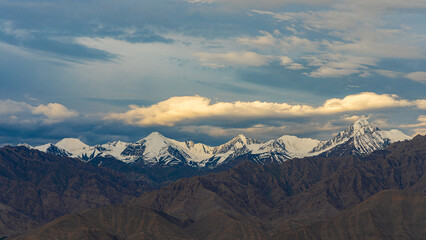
{"points": [[208, 70]]}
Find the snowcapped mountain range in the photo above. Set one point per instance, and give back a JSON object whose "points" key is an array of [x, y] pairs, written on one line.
{"points": [[358, 139]]}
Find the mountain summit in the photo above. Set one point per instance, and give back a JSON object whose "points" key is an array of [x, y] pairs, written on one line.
{"points": [[359, 138]]}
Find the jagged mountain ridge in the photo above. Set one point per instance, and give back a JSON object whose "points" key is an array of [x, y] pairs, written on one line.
{"points": [[358, 139], [377, 196]]}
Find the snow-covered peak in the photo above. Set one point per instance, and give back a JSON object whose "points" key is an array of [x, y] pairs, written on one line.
{"points": [[155, 135], [25, 145], [238, 142], [362, 121], [112, 149], [239, 139], [364, 137], [360, 127], [395, 135], [44, 147], [296, 146], [242, 138], [74, 147], [202, 151], [153, 143], [70, 144], [117, 143], [359, 138]]}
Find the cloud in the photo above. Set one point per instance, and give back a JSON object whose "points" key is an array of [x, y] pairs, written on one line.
{"points": [[8, 28], [266, 39], [217, 60], [362, 102], [414, 76], [352, 119], [326, 71], [382, 48], [290, 64], [22, 112], [376, 5], [421, 104], [387, 73], [263, 131], [277, 16], [417, 128], [355, 31], [338, 65], [421, 131], [292, 43], [179, 109], [54, 112], [266, 4], [417, 76], [257, 130], [10, 107], [62, 47], [422, 123]]}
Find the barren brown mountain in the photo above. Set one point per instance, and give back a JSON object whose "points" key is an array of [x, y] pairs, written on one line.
{"points": [[273, 201], [37, 188], [387, 215], [112, 223]]}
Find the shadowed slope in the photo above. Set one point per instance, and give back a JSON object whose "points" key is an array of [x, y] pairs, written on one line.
{"points": [[297, 193], [37, 187], [112, 222], [390, 214], [258, 202]]}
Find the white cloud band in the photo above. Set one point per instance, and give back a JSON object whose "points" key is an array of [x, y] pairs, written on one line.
{"points": [[179, 109]]}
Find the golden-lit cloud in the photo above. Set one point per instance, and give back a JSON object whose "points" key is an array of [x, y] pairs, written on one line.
{"points": [[421, 104], [54, 112], [179, 109]]}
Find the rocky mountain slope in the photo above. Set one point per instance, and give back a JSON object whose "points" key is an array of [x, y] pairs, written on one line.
{"points": [[306, 198], [37, 187], [389, 214]]}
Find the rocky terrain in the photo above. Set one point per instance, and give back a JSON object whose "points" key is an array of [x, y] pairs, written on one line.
{"points": [[38, 187], [377, 196]]}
